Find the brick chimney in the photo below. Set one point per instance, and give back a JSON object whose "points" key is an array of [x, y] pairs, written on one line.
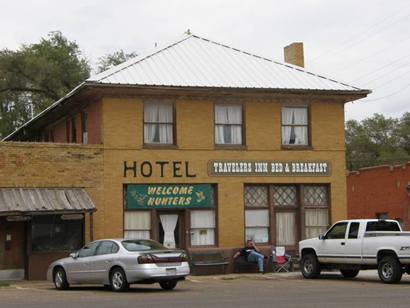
{"points": [[294, 54]]}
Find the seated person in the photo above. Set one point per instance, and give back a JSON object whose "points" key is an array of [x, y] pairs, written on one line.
{"points": [[252, 254]]}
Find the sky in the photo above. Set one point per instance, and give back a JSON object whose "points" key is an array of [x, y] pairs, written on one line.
{"points": [[362, 43]]}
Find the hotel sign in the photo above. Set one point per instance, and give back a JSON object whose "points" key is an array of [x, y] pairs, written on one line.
{"points": [[162, 196], [269, 168]]}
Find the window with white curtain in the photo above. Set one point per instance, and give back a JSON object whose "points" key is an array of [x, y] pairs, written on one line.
{"points": [[202, 227], [285, 228], [257, 225], [295, 126], [228, 124], [256, 213], [315, 200], [273, 212], [158, 122], [137, 224]]}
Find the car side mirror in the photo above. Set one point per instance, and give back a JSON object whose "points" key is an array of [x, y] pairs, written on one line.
{"points": [[321, 237], [74, 255]]}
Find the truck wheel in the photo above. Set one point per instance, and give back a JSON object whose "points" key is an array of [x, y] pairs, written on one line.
{"points": [[389, 270], [310, 266], [349, 273]]}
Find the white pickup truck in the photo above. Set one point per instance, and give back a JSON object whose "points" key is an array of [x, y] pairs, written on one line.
{"points": [[358, 244]]}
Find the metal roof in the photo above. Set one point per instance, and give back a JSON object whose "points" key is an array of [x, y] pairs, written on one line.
{"points": [[44, 200], [198, 62]]}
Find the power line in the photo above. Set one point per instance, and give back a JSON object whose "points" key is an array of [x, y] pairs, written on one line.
{"points": [[381, 68], [352, 40], [367, 57], [387, 96], [389, 80]]}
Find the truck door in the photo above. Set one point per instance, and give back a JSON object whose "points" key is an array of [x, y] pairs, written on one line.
{"points": [[353, 245], [332, 247]]}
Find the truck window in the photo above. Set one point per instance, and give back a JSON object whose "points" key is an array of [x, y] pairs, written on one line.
{"points": [[338, 231], [354, 229], [382, 225]]}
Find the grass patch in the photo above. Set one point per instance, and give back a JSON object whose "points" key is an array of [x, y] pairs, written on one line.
{"points": [[4, 285]]}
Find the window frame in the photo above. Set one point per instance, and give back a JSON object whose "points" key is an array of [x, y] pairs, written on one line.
{"points": [[125, 211], [345, 223], [228, 146], [33, 240], [298, 209], [259, 208], [293, 208], [215, 228], [308, 125], [174, 130], [350, 235], [305, 207]]}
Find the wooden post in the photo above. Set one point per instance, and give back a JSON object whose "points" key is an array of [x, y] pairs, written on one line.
{"points": [[91, 227]]}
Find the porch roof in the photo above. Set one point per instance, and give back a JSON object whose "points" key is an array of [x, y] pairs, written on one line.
{"points": [[31, 201]]}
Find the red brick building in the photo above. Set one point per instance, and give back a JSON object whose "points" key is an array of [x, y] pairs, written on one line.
{"points": [[380, 192]]}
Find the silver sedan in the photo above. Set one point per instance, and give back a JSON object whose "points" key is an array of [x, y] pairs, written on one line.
{"points": [[117, 263]]}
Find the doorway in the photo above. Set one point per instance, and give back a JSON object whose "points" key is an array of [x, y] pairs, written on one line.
{"points": [[12, 249], [170, 227]]}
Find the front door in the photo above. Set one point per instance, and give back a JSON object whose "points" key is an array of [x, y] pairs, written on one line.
{"points": [[12, 246], [171, 226]]}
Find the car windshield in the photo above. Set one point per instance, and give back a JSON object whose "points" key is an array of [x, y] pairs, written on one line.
{"points": [[382, 225], [141, 245]]}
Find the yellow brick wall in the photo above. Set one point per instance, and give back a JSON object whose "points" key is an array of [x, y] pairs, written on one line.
{"points": [[194, 125], [55, 165], [100, 168]]}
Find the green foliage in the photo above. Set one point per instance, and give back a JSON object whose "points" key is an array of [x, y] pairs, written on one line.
{"points": [[35, 76], [113, 59], [377, 140]]}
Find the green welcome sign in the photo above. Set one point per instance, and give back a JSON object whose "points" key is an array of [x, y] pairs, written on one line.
{"points": [[165, 196]]}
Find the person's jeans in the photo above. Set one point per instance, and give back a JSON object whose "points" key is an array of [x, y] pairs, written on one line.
{"points": [[256, 257]]}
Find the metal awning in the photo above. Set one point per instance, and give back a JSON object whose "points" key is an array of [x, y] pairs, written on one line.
{"points": [[32, 201]]}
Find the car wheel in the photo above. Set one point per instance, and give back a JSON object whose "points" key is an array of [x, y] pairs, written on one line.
{"points": [[60, 279], [349, 273], [168, 285], [389, 270], [310, 266], [118, 280]]}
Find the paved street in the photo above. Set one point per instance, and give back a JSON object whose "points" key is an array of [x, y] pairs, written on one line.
{"points": [[279, 290]]}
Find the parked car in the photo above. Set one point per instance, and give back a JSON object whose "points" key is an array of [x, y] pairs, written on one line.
{"points": [[358, 244], [117, 263]]}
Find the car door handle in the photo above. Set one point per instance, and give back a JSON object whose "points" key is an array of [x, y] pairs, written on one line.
{"points": [[342, 243]]}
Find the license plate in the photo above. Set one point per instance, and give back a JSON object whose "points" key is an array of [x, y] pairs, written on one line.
{"points": [[171, 271]]}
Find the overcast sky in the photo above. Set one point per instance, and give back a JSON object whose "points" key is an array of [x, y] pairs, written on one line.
{"points": [[363, 43]]}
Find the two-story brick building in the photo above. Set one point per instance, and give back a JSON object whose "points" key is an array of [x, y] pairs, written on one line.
{"points": [[380, 192], [197, 145]]}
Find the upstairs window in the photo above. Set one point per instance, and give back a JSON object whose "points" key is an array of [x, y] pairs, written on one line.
{"points": [[295, 126], [158, 123], [228, 125]]}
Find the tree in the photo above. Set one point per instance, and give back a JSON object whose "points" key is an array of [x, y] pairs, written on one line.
{"points": [[35, 76], [377, 140], [113, 59]]}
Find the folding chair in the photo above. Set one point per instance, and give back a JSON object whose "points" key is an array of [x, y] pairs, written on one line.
{"points": [[282, 262]]}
